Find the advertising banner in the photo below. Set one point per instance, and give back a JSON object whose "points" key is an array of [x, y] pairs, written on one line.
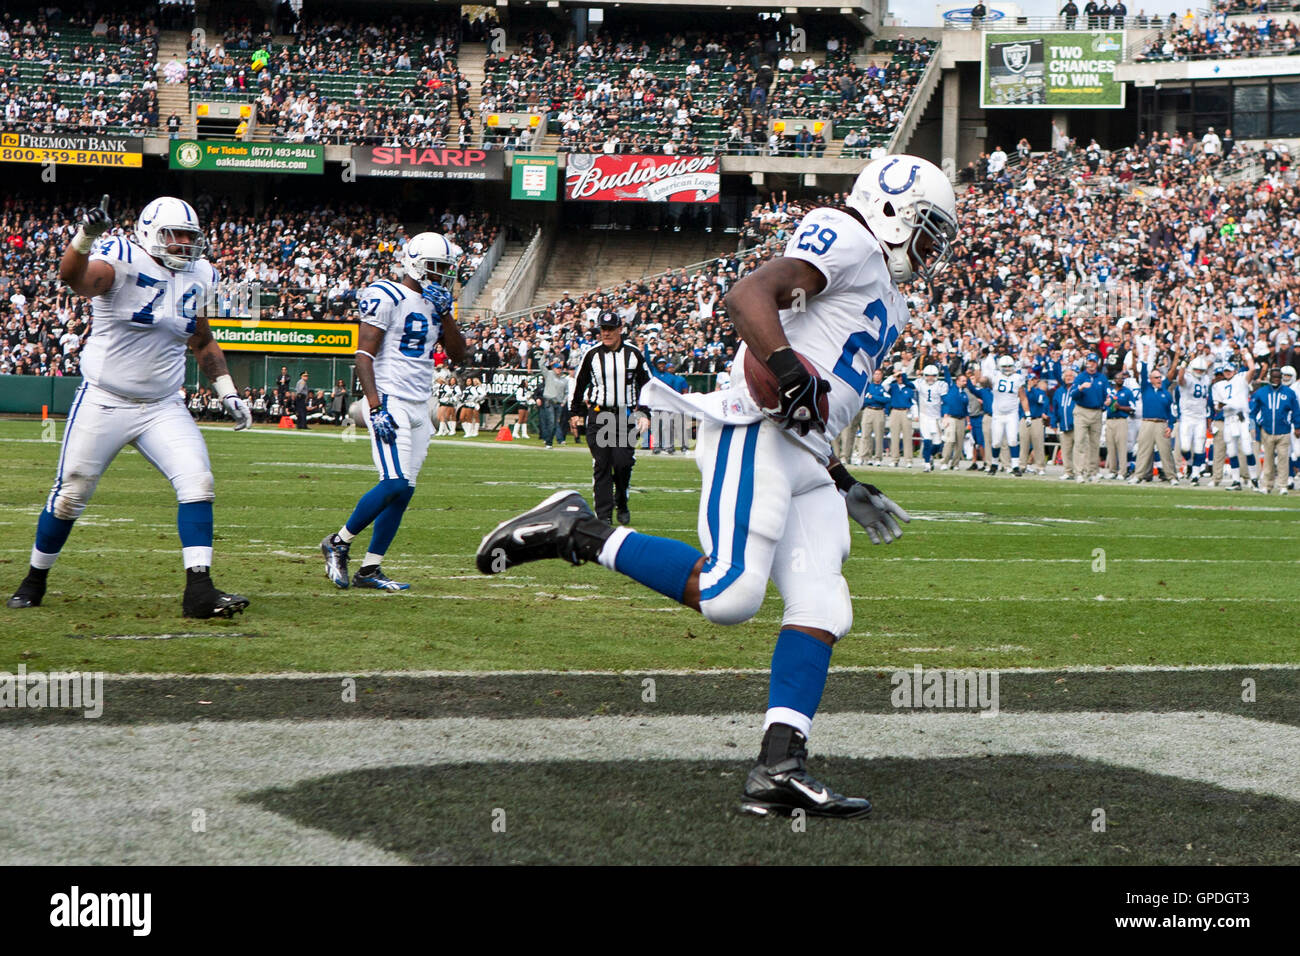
{"points": [[71, 150], [418, 162], [597, 177], [302, 338], [1052, 70], [534, 177], [236, 156]]}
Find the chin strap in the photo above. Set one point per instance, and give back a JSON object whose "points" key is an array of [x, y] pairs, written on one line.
{"points": [[900, 263]]}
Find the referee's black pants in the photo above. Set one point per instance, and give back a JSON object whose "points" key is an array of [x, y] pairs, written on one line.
{"points": [[612, 440], [300, 406]]}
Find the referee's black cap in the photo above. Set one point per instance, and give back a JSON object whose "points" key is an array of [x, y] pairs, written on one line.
{"points": [[610, 320]]}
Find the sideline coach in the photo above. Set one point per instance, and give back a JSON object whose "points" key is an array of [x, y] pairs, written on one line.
{"points": [[610, 378]]}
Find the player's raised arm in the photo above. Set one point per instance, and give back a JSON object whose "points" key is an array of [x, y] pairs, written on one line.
{"points": [[83, 276], [212, 363]]}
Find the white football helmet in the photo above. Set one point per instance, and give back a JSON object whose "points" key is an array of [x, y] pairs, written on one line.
{"points": [[930, 370], [903, 198], [1006, 362], [1288, 374], [431, 257], [168, 223], [1199, 364]]}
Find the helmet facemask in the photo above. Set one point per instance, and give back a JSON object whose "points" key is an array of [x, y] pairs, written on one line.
{"points": [[926, 219], [191, 242]]}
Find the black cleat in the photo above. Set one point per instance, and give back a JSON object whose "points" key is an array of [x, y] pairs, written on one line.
{"points": [[30, 593], [993, 469], [203, 599], [562, 526], [624, 516], [781, 787], [1017, 472]]}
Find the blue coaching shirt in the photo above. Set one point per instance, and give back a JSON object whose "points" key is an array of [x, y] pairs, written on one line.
{"points": [[1063, 410], [1276, 410], [901, 394], [1090, 389], [1037, 400], [1122, 403], [875, 396], [1156, 402]]}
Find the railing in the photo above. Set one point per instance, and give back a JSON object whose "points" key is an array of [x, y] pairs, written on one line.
{"points": [[469, 292], [519, 274], [916, 103], [1082, 22]]}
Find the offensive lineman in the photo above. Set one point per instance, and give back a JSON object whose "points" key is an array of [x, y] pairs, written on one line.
{"points": [[774, 498], [1008, 388], [401, 324], [148, 295]]}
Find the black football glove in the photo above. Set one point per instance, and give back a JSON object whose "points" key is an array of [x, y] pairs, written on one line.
{"points": [[798, 393], [95, 221]]}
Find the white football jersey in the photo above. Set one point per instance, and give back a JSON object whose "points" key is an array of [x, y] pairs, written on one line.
{"points": [[1194, 397], [1006, 393], [848, 328], [1233, 393], [142, 324], [929, 398], [404, 366]]}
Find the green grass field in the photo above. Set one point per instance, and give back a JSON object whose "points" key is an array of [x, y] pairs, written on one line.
{"points": [[1183, 594]]}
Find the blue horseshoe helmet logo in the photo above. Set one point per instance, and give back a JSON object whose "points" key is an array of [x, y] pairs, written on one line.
{"points": [[911, 178]]}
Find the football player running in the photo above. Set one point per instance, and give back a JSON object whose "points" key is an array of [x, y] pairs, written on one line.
{"points": [[774, 499], [148, 295], [401, 324]]}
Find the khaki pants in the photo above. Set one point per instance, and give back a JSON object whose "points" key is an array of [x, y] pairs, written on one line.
{"points": [[1067, 453], [1087, 440], [1220, 452], [1116, 445], [900, 429], [1152, 437], [1276, 452], [871, 442], [954, 436], [844, 440], [1031, 437]]}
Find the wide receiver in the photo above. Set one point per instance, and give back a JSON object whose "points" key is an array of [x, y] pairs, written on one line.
{"points": [[148, 296], [774, 500], [401, 324]]}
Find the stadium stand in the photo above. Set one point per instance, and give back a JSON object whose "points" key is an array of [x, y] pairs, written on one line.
{"points": [[91, 75]]}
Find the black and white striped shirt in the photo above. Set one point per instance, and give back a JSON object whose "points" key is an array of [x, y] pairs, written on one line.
{"points": [[609, 378]]}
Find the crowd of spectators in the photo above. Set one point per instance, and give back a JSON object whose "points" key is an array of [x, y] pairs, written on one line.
{"points": [[92, 73], [863, 104], [342, 80], [309, 260], [1215, 38]]}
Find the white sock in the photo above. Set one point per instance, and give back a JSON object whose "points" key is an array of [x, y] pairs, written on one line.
{"points": [[1015, 462], [42, 560], [515, 431], [1254, 470], [525, 429], [784, 715], [372, 559], [609, 551], [197, 557], [345, 535]]}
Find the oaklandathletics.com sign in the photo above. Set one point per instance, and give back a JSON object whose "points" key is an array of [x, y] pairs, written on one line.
{"points": [[611, 178]]}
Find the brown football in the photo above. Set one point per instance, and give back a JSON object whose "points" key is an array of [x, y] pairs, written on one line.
{"points": [[763, 385]]}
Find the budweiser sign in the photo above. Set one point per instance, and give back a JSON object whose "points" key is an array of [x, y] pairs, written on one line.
{"points": [[601, 177]]}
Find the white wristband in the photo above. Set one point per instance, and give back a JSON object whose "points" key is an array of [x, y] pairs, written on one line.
{"points": [[82, 242], [225, 386]]}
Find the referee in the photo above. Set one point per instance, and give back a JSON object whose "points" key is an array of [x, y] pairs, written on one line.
{"points": [[610, 378]]}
